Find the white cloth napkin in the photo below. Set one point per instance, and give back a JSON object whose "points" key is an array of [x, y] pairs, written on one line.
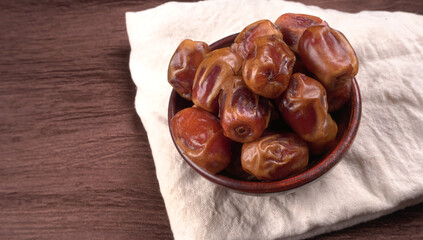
{"points": [[381, 173]]}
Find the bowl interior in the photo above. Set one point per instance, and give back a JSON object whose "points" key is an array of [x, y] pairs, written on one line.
{"points": [[347, 118]]}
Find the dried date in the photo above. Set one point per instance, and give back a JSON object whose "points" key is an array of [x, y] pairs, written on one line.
{"points": [[275, 156], [183, 66], [216, 68], [244, 115], [293, 25], [304, 108], [245, 39], [329, 56], [268, 66], [199, 135]]}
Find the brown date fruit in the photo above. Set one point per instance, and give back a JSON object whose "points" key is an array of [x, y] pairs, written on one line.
{"points": [[244, 115], [304, 108], [199, 135], [268, 66], [293, 25], [245, 39], [329, 56], [217, 67], [184, 64], [339, 96], [275, 156]]}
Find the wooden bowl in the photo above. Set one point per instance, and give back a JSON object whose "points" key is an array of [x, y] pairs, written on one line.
{"points": [[347, 118]]}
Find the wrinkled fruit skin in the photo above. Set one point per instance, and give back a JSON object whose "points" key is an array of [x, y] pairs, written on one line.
{"points": [[275, 156], [293, 25], [304, 108], [244, 115], [183, 66], [217, 67], [329, 56], [199, 135], [245, 39], [337, 97], [268, 66]]}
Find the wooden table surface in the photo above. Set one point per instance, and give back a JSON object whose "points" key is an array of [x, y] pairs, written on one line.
{"points": [[75, 162]]}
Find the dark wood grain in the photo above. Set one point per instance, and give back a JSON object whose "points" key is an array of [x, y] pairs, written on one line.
{"points": [[74, 157]]}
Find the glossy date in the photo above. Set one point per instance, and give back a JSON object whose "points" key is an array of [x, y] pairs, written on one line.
{"points": [[199, 135], [329, 56], [245, 39], [292, 26], [275, 156], [244, 115], [183, 66], [304, 108], [268, 66], [337, 97], [216, 68]]}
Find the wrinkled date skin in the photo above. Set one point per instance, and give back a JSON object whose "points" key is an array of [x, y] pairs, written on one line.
{"points": [[217, 67], [304, 108], [183, 66], [337, 97], [268, 66], [275, 156], [244, 115], [293, 25], [245, 39], [199, 134], [329, 56]]}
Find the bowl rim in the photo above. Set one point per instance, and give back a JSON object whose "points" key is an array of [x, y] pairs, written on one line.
{"points": [[309, 175]]}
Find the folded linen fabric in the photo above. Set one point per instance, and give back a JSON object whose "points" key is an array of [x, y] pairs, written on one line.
{"points": [[381, 173]]}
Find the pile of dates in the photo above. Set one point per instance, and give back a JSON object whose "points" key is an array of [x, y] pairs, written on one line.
{"points": [[294, 72]]}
